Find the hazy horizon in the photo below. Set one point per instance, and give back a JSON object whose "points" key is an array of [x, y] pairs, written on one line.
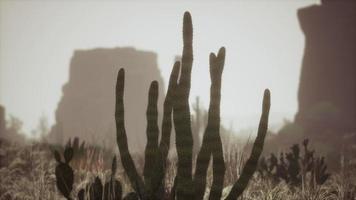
{"points": [[263, 40]]}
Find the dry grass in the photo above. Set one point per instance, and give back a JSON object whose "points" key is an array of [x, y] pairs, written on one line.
{"points": [[27, 172]]}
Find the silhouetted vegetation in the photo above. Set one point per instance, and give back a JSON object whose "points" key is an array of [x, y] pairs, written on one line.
{"points": [[111, 190], [64, 173], [206, 161], [186, 186], [295, 168]]}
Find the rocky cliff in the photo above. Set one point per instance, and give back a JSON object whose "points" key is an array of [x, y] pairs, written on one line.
{"points": [[87, 106], [327, 90]]}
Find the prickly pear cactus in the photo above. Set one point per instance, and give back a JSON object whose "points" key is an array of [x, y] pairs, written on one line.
{"points": [[64, 173]]}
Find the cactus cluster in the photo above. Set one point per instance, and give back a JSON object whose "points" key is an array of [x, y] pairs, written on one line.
{"points": [[111, 190], [78, 148], [187, 184], [295, 168]]}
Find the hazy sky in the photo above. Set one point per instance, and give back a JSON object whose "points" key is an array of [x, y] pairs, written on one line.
{"points": [[263, 41]]}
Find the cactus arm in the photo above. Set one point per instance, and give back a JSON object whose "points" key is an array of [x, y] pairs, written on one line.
{"points": [[162, 153], [251, 164], [167, 112], [126, 159], [57, 156], [151, 133], [214, 115], [68, 154], [211, 140], [181, 115], [187, 55]]}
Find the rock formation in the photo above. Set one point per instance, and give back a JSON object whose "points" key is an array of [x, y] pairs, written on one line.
{"points": [[86, 108], [327, 90]]}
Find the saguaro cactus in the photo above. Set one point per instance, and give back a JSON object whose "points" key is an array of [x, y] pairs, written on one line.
{"points": [[186, 185]]}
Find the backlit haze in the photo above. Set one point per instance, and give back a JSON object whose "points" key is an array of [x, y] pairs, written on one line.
{"points": [[263, 41]]}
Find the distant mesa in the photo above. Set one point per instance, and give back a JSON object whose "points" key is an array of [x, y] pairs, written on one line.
{"points": [[87, 107], [327, 90]]}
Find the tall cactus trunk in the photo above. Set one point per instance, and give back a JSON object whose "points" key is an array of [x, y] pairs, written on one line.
{"points": [[181, 115], [186, 185], [251, 164]]}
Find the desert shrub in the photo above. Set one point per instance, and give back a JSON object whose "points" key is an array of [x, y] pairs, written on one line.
{"points": [[27, 172], [295, 168]]}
